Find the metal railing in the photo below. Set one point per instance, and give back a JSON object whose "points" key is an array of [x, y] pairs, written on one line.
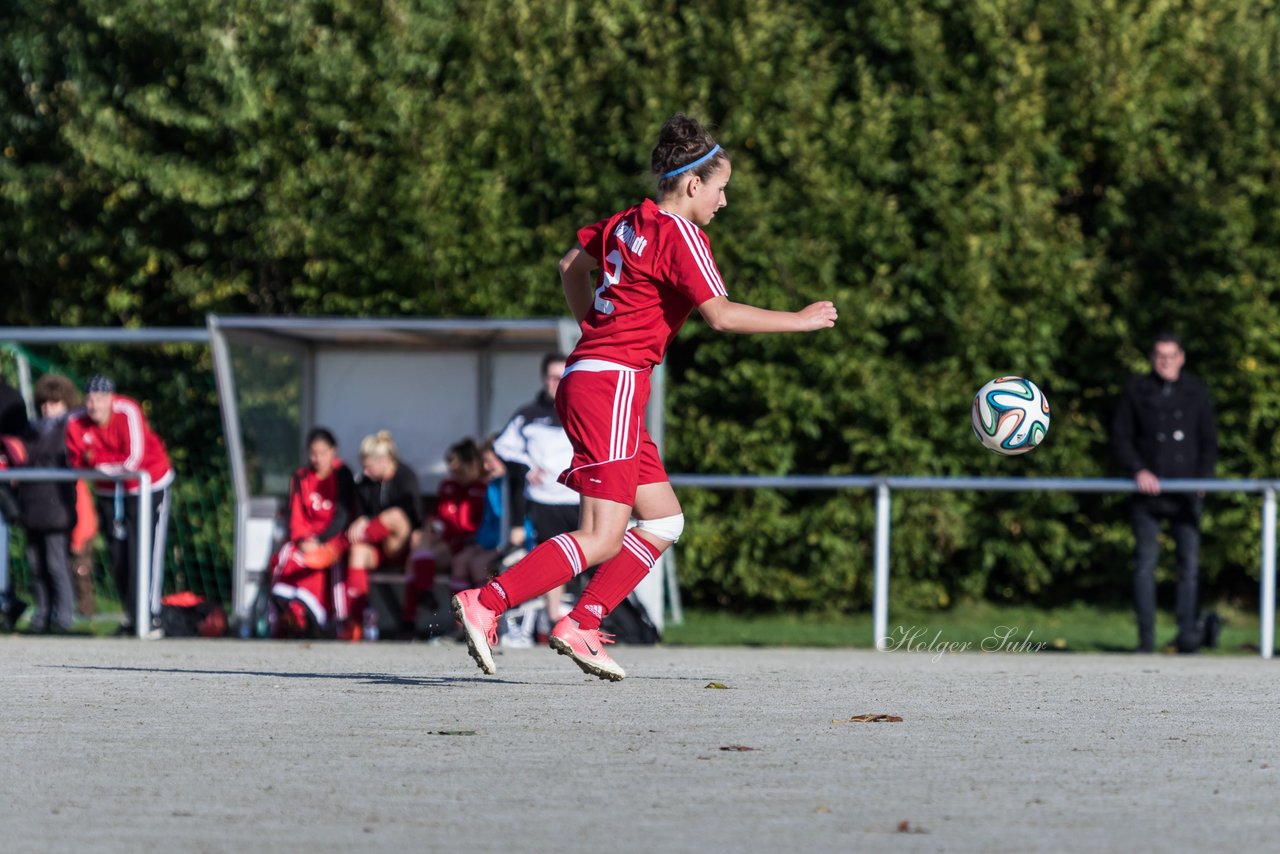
{"points": [[886, 484], [142, 585]]}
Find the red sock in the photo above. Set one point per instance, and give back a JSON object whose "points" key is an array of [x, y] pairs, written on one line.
{"points": [[375, 532], [548, 566], [615, 578], [357, 593]]}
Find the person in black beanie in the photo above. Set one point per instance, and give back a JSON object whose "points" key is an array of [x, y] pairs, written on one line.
{"points": [[1165, 427], [110, 434]]}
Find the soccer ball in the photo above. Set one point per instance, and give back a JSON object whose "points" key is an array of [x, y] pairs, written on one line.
{"points": [[1010, 415]]}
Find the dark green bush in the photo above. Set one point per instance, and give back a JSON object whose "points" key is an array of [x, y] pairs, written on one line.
{"points": [[984, 188]]}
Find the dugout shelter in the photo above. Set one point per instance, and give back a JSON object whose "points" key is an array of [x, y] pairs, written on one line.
{"points": [[430, 381]]}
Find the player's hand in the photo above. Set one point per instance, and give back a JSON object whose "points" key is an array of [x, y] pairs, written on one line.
{"points": [[819, 315], [1148, 483]]}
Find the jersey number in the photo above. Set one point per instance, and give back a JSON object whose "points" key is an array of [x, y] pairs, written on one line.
{"points": [[608, 280]]}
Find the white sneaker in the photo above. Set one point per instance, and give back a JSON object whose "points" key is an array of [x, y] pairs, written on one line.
{"points": [[517, 641]]}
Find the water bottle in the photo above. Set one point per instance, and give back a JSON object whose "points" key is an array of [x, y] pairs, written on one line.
{"points": [[370, 627]]}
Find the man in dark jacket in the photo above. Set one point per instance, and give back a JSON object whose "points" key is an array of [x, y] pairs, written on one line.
{"points": [[1165, 428]]}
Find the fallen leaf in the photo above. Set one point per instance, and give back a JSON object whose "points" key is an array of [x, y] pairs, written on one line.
{"points": [[737, 747], [716, 685], [904, 826], [880, 718], [823, 808], [454, 732]]}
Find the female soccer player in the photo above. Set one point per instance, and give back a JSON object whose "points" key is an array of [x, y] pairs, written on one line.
{"points": [[321, 501], [656, 268]]}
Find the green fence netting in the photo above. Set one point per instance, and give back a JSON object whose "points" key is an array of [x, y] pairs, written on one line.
{"points": [[201, 524]]}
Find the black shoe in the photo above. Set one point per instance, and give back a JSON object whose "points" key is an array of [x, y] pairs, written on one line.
{"points": [[1146, 642], [125, 631], [1210, 630], [1186, 644], [14, 608]]}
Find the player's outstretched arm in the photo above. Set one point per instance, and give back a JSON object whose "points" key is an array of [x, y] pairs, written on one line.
{"points": [[724, 315], [576, 268]]}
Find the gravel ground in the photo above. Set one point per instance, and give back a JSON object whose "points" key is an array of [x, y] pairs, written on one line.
{"points": [[121, 745]]}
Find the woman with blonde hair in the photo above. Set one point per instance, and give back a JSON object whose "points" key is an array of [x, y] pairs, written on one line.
{"points": [[388, 510]]}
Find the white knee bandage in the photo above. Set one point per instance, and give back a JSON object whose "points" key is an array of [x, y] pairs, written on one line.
{"points": [[667, 528]]}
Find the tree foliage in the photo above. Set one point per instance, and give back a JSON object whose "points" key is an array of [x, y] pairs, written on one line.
{"points": [[984, 188]]}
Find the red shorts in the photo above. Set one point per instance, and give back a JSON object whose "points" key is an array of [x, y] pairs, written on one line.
{"points": [[603, 415]]}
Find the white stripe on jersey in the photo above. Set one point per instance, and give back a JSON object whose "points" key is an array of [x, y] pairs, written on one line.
{"points": [[701, 256], [598, 366], [133, 422]]}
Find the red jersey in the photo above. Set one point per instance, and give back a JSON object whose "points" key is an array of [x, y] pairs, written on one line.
{"points": [[460, 508], [656, 268], [126, 443], [320, 507]]}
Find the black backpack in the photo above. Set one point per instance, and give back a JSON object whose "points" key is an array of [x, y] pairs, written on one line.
{"points": [[629, 623]]}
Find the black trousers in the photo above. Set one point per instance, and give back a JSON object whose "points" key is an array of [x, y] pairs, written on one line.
{"points": [[122, 546], [52, 584], [552, 520], [1182, 513]]}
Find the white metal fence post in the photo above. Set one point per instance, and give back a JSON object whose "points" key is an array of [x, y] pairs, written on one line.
{"points": [[142, 587], [880, 606], [1268, 603], [25, 386]]}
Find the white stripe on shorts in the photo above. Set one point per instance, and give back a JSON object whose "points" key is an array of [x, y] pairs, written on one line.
{"points": [[619, 430]]}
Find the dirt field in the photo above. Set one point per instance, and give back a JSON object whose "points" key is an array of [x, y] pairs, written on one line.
{"points": [[121, 745]]}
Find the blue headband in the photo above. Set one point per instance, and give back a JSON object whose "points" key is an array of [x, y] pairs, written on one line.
{"points": [[703, 159]]}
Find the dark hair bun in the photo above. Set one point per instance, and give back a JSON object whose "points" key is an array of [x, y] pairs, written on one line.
{"points": [[681, 141]]}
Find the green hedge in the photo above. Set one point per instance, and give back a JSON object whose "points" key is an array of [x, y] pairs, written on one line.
{"points": [[984, 188]]}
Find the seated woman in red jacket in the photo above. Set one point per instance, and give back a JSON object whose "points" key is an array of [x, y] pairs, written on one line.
{"points": [[321, 503]]}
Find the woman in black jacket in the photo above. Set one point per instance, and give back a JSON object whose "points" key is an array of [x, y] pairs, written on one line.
{"points": [[49, 508]]}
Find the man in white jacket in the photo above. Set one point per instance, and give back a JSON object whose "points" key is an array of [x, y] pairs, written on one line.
{"points": [[536, 449]]}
